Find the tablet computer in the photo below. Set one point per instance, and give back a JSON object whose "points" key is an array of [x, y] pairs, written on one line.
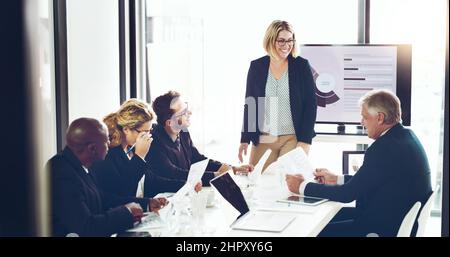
{"points": [[303, 200]]}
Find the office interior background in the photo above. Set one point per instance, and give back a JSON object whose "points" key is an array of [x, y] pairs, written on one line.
{"points": [[65, 59]]}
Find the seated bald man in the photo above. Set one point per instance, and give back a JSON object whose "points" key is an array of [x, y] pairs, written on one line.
{"points": [[78, 206]]}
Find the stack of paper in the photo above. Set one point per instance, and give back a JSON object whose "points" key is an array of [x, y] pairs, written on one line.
{"points": [[295, 162]]}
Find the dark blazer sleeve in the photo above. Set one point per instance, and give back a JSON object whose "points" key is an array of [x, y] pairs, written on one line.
{"points": [[306, 132], [246, 123], [111, 200], [347, 178], [120, 180], [72, 209], [115, 187], [370, 176]]}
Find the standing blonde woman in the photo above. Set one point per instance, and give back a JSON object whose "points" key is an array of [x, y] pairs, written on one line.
{"points": [[124, 166], [280, 110]]}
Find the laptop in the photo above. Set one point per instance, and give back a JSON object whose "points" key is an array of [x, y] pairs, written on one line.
{"points": [[257, 220]]}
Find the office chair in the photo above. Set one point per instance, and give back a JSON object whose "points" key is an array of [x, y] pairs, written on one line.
{"points": [[424, 216], [407, 223]]}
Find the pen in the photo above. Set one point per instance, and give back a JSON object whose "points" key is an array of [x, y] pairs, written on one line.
{"points": [[131, 148]]}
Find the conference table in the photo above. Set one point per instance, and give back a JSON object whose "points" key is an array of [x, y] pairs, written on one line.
{"points": [[214, 217]]}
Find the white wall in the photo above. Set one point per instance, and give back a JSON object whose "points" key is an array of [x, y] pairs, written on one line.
{"points": [[93, 58]]}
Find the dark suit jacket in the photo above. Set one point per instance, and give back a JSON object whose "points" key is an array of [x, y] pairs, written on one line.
{"points": [[301, 94], [167, 161], [78, 206], [394, 175], [119, 175]]}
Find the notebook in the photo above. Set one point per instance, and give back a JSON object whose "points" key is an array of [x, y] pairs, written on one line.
{"points": [[257, 220]]}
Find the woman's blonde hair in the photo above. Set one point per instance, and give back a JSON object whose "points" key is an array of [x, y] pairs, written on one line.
{"points": [[272, 34], [132, 114]]}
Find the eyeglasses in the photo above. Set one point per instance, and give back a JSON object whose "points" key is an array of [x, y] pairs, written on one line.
{"points": [[282, 42], [185, 111]]}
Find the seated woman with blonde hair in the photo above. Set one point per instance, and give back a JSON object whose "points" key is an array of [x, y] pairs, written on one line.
{"points": [[125, 171]]}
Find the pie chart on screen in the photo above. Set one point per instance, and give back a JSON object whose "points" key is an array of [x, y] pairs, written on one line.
{"points": [[325, 84]]}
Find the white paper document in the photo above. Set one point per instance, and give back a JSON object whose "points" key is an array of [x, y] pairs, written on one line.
{"points": [[196, 172], [181, 193], [256, 173], [195, 175], [296, 161]]}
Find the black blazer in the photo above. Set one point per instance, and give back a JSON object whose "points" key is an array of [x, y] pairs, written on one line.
{"points": [[78, 206], [167, 161], [119, 175], [394, 175], [301, 94]]}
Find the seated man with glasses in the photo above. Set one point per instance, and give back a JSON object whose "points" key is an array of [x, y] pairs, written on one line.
{"points": [[172, 152]]}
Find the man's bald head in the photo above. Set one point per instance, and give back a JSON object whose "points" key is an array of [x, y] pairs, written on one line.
{"points": [[87, 138]]}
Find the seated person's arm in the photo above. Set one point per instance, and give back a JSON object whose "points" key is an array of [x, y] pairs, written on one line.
{"points": [[371, 175], [75, 215], [161, 165], [225, 167], [216, 166]]}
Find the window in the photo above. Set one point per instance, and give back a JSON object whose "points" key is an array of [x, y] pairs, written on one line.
{"points": [[46, 105], [394, 21], [93, 59], [203, 49]]}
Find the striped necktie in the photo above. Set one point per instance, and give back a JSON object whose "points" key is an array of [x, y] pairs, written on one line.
{"points": [[178, 143]]}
